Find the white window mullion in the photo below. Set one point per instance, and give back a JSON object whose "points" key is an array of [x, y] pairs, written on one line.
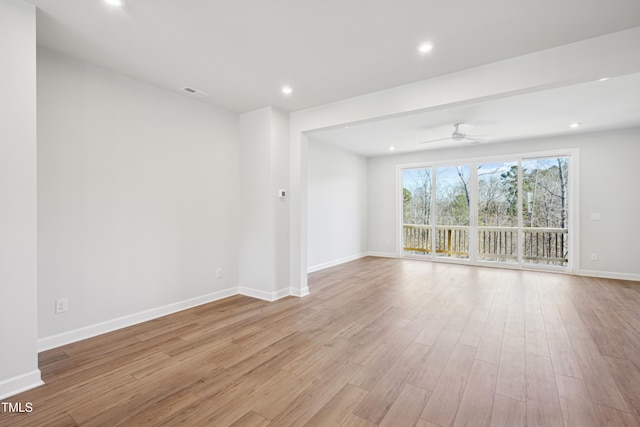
{"points": [[473, 213], [435, 212], [520, 217]]}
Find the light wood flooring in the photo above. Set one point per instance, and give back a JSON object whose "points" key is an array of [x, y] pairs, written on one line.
{"points": [[378, 342]]}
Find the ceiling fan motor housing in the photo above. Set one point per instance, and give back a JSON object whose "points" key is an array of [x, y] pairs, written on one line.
{"points": [[457, 136]]}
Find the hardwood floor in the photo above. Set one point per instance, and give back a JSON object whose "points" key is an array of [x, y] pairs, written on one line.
{"points": [[378, 342]]}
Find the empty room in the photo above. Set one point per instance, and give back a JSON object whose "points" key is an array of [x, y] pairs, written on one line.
{"points": [[288, 213]]}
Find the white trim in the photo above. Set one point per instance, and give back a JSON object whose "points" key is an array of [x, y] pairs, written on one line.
{"points": [[574, 210], [609, 275], [299, 292], [517, 267], [383, 254], [497, 158], [263, 295], [399, 228], [335, 262], [20, 383], [90, 331], [281, 293], [255, 293], [487, 264], [520, 237]]}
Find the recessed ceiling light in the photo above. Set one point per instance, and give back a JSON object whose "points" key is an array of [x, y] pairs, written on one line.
{"points": [[425, 47], [392, 148], [287, 90], [115, 2], [604, 79], [575, 125]]}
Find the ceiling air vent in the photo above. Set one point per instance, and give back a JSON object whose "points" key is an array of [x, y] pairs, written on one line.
{"points": [[194, 92]]}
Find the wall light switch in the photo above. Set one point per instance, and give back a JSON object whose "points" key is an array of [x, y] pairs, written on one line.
{"points": [[282, 194]]}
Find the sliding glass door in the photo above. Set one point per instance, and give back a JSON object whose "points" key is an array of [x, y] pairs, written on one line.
{"points": [[498, 212], [545, 211], [436, 211], [513, 212], [452, 211], [417, 211]]}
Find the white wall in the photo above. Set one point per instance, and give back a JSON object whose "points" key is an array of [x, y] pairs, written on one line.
{"points": [[337, 205], [280, 180], [256, 255], [608, 172], [18, 243], [264, 218], [608, 185], [137, 199]]}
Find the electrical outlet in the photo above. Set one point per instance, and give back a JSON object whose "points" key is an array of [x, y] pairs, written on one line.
{"points": [[62, 305], [594, 257], [219, 273]]}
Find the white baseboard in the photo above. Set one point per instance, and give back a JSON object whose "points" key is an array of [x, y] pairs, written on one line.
{"points": [[609, 275], [263, 295], [64, 338], [24, 382], [299, 292], [281, 293], [335, 262], [383, 254]]}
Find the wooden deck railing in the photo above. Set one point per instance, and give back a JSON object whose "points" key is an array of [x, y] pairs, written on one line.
{"points": [[540, 245], [450, 240], [546, 245], [498, 243], [417, 238]]}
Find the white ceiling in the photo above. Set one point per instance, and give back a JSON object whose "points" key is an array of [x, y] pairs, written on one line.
{"points": [[610, 104], [241, 52]]}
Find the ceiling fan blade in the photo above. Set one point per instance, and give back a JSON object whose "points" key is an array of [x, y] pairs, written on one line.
{"points": [[477, 138], [463, 127], [459, 135], [434, 140]]}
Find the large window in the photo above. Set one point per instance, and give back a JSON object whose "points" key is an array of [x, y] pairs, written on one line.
{"points": [[507, 212]]}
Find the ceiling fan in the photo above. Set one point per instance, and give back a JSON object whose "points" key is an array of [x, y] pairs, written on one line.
{"points": [[460, 135]]}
